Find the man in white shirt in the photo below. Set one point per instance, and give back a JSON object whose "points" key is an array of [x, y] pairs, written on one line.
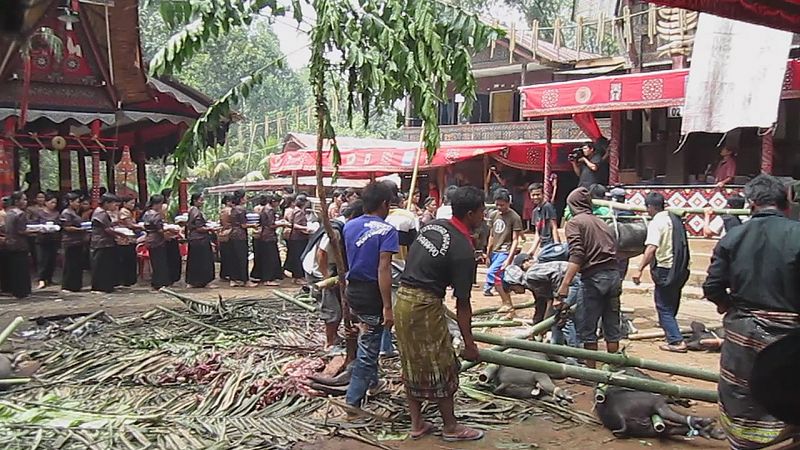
{"points": [[666, 255], [446, 211]]}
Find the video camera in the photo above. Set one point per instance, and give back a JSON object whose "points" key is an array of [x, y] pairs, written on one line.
{"points": [[575, 154]]}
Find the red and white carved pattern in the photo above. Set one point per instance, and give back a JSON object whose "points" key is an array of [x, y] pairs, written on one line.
{"points": [[550, 98], [700, 197], [653, 89]]}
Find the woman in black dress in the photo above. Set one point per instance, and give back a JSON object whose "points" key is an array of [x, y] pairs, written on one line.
{"points": [[73, 238], [153, 220], [200, 261], [126, 245], [297, 239], [257, 272], [105, 267], [17, 251], [238, 244], [47, 243], [224, 237], [268, 258], [172, 244]]}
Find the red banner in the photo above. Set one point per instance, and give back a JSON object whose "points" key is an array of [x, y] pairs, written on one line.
{"points": [[623, 92], [359, 163]]}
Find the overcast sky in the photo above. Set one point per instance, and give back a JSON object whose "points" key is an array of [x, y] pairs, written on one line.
{"points": [[294, 43]]}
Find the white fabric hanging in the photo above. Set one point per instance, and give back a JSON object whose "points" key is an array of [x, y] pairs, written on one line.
{"points": [[736, 76]]}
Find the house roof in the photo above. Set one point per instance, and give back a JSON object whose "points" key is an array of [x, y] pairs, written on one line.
{"points": [[301, 141]]}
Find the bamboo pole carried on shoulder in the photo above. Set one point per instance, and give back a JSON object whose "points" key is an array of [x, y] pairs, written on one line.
{"points": [[617, 359], [678, 211]]}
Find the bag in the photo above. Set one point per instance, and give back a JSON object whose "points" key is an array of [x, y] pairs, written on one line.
{"points": [[314, 239], [630, 237], [554, 252]]}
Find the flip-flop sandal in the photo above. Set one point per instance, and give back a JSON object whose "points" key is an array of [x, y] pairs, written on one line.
{"points": [[505, 309], [427, 429], [673, 348], [467, 434]]}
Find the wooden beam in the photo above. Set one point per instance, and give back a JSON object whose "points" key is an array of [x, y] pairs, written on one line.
{"points": [[64, 172]]}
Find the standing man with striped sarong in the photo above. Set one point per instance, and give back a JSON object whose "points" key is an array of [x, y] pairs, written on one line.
{"points": [[754, 279], [442, 256]]}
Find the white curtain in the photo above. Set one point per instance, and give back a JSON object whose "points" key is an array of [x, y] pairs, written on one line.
{"points": [[736, 75]]}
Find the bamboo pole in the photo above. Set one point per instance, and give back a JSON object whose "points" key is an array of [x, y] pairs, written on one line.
{"points": [[678, 211], [289, 298], [10, 381], [415, 172], [535, 330], [492, 309], [617, 359], [190, 320], [83, 321], [497, 324], [599, 376], [10, 329]]}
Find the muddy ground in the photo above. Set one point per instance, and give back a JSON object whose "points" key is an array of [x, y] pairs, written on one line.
{"points": [[533, 433]]}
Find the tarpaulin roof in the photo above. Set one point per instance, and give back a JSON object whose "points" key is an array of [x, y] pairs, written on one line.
{"points": [[277, 183], [524, 154], [782, 14], [623, 92]]}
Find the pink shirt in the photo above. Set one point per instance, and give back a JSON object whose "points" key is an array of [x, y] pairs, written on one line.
{"points": [[726, 169]]}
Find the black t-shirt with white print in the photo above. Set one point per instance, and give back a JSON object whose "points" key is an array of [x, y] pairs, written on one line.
{"points": [[441, 256]]}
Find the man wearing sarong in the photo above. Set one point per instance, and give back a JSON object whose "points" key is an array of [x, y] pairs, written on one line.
{"points": [[442, 256], [754, 279]]}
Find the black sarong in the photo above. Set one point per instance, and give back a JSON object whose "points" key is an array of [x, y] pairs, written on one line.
{"points": [[18, 269], [225, 260], [237, 269], [158, 263], [72, 276], [258, 270], [105, 269], [174, 260], [294, 254], [199, 263], [4, 286], [272, 264], [47, 251], [128, 264]]}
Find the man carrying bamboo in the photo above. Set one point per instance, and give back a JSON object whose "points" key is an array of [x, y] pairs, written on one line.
{"points": [[442, 256], [592, 252], [754, 279]]}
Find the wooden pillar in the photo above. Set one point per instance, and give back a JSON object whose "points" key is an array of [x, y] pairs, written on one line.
{"points": [[95, 178], [64, 172], [486, 176], [36, 172], [183, 196], [294, 182], [111, 183], [82, 177], [15, 162], [614, 148], [523, 74], [548, 151], [141, 176], [766, 153]]}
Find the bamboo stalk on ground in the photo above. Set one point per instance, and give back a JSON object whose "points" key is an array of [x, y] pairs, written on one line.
{"points": [[492, 309], [10, 329], [83, 321], [617, 359], [535, 330], [289, 298], [599, 376], [189, 319], [10, 381], [497, 324]]}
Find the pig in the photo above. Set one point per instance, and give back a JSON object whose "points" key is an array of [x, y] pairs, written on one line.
{"points": [[704, 339], [629, 413], [522, 384]]}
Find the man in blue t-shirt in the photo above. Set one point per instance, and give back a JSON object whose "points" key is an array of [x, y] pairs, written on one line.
{"points": [[370, 243]]}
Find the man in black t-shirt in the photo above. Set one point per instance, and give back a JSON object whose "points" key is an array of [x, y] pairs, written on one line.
{"points": [[588, 168], [543, 217], [441, 256]]}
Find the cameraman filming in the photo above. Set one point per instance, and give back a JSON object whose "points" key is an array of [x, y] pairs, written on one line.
{"points": [[588, 165]]}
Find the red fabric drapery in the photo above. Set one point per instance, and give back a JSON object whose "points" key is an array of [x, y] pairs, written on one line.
{"points": [[781, 14], [588, 124], [623, 92], [359, 163]]}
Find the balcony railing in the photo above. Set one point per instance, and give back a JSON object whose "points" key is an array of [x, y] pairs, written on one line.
{"points": [[562, 129]]}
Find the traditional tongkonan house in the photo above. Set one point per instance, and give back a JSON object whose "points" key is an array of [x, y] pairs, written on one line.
{"points": [[77, 85]]}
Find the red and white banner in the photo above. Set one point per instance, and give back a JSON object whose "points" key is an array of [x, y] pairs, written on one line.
{"points": [[360, 163], [623, 92]]}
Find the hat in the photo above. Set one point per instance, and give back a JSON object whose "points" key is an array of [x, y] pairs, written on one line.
{"points": [[514, 275], [521, 259], [617, 192]]}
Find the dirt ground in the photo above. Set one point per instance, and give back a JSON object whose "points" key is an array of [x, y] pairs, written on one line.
{"points": [[533, 433]]}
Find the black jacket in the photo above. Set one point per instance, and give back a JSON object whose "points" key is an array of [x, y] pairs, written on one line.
{"points": [[756, 266], [679, 273]]}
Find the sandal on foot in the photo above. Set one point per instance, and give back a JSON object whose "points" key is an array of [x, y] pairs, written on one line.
{"points": [[466, 434], [427, 428], [505, 309], [677, 348]]}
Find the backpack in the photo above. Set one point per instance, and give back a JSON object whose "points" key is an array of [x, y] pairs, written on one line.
{"points": [[554, 252], [315, 237]]}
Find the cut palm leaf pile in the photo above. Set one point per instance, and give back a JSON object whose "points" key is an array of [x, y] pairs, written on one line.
{"points": [[200, 378]]}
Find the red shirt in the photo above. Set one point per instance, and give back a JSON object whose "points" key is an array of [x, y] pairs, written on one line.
{"points": [[726, 169]]}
